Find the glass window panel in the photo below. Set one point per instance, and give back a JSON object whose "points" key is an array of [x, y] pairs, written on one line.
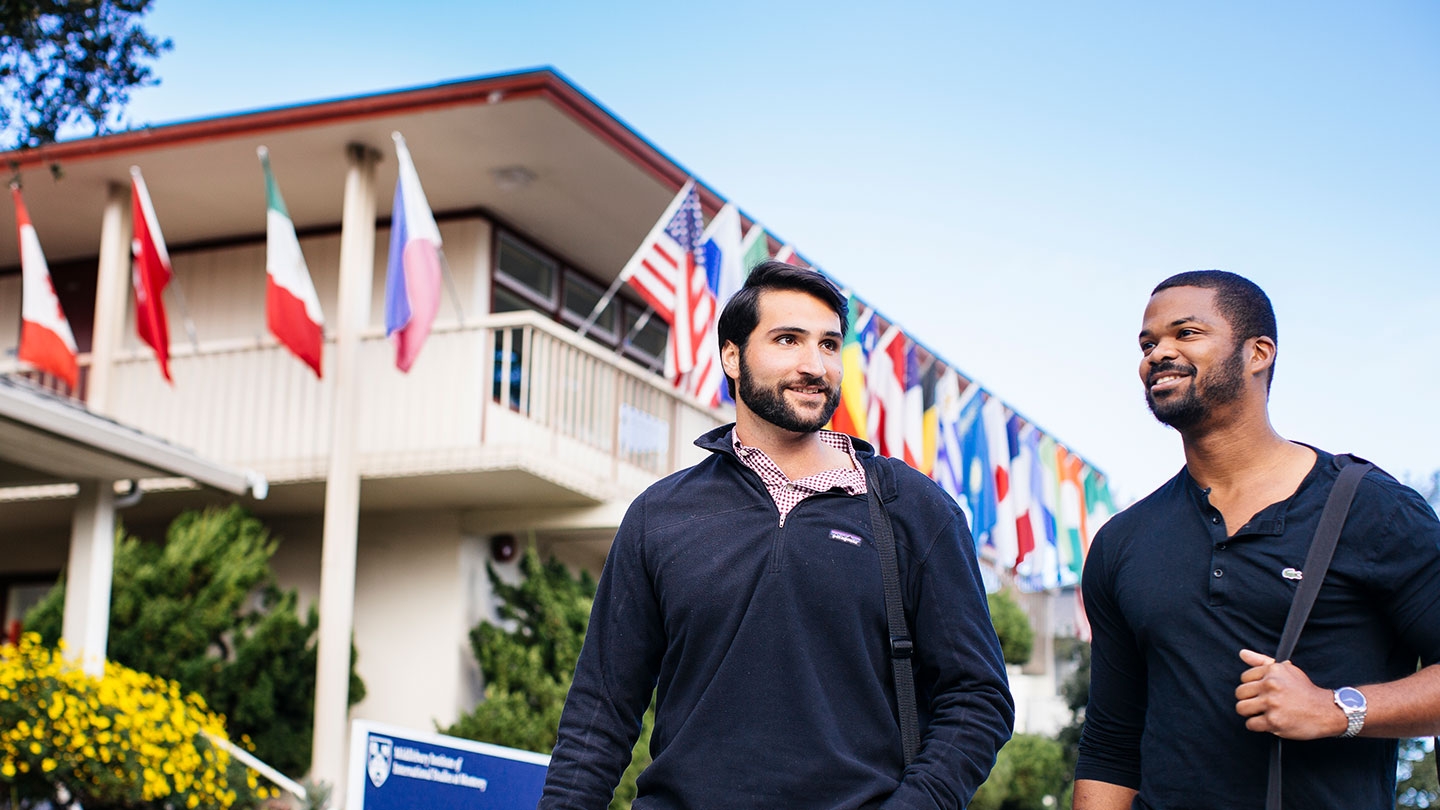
{"points": [[527, 269], [503, 300], [648, 342], [581, 296]]}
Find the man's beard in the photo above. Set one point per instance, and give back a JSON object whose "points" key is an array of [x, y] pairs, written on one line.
{"points": [[769, 403], [1190, 408]]}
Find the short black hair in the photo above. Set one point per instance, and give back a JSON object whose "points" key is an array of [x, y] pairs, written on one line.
{"points": [[742, 311], [1241, 302]]}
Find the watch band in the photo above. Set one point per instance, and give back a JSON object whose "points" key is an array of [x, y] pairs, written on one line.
{"points": [[1354, 714]]}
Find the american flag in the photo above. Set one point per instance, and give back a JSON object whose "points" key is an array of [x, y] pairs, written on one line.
{"points": [[668, 271]]}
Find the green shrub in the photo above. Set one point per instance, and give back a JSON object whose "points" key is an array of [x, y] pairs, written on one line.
{"points": [[203, 609], [1017, 637], [1029, 768]]}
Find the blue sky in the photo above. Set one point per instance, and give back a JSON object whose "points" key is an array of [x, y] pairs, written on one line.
{"points": [[1007, 181]]}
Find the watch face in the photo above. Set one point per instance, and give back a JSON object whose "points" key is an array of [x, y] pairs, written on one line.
{"points": [[1349, 698]]}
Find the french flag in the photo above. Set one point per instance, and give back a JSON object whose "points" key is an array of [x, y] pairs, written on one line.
{"points": [[412, 274], [46, 341]]}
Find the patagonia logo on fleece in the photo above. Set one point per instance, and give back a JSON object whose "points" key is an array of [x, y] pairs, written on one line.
{"points": [[845, 537]]}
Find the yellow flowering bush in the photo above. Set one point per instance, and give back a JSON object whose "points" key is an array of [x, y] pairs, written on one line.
{"points": [[124, 740]]}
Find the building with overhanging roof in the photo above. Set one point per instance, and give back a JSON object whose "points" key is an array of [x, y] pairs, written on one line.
{"points": [[388, 489]]}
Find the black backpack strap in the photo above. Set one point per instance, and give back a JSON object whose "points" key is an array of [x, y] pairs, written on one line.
{"points": [[1317, 562], [901, 647]]}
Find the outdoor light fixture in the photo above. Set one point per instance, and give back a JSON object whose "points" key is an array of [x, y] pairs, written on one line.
{"points": [[504, 548], [510, 178]]}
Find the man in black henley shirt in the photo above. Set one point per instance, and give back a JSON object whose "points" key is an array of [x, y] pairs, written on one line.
{"points": [[1188, 588]]}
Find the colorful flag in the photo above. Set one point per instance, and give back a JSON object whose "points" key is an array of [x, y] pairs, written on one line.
{"points": [[694, 307], [915, 412], [151, 273], [668, 271], [930, 417], [292, 309], [755, 248], [1021, 495], [1004, 539], [1041, 567], [1074, 535], [656, 269], [885, 387], [949, 460], [1048, 451], [412, 272], [850, 415], [724, 273], [1100, 507], [1099, 503], [788, 255], [979, 482], [962, 464], [725, 268], [46, 341]]}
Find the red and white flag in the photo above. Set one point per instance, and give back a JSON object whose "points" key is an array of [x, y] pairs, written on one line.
{"points": [[292, 309], [885, 387], [150, 273], [46, 341]]}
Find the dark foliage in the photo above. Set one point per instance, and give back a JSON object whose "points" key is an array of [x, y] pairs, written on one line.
{"points": [[70, 62]]}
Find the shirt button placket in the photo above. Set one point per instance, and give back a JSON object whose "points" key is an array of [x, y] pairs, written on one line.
{"points": [[1217, 567]]}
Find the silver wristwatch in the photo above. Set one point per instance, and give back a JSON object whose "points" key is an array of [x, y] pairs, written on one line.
{"points": [[1352, 702]]}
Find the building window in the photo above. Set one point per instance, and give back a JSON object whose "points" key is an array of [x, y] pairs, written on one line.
{"points": [[645, 337], [17, 595], [527, 273], [503, 300], [581, 296], [528, 278]]}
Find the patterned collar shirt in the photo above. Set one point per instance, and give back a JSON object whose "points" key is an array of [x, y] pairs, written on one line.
{"points": [[788, 494]]}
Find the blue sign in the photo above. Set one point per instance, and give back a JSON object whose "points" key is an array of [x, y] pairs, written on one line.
{"points": [[393, 768]]}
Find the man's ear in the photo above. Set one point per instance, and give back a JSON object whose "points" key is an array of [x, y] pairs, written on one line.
{"points": [[730, 359], [1260, 354]]}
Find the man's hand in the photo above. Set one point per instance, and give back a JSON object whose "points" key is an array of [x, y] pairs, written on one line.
{"points": [[1279, 699]]}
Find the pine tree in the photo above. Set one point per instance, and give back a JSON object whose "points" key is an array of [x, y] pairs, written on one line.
{"points": [[203, 609], [528, 668], [528, 662]]}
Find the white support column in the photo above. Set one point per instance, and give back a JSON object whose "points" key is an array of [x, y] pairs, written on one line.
{"points": [[112, 293], [342, 489], [86, 626]]}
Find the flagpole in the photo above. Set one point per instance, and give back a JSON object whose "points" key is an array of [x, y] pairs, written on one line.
{"points": [[450, 285], [635, 330], [602, 303], [628, 269], [184, 311]]}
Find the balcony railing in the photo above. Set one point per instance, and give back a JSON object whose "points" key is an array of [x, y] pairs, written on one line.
{"points": [[514, 390]]}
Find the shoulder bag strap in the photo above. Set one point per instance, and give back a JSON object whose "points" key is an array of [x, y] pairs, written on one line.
{"points": [[901, 647], [1317, 562]]}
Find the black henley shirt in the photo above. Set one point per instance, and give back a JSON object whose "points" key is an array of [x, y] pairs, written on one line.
{"points": [[1172, 600]]}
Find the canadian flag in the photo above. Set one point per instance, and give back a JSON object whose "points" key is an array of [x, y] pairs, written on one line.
{"points": [[150, 273], [46, 341]]}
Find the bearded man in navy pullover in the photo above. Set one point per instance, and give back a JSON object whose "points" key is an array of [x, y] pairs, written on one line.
{"points": [[746, 594]]}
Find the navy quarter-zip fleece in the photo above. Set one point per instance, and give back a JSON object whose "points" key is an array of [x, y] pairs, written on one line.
{"points": [[768, 651]]}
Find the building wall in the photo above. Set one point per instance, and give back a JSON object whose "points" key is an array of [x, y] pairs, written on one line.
{"points": [[420, 586]]}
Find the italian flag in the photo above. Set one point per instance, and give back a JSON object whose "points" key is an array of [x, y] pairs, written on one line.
{"points": [[292, 309], [46, 341]]}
